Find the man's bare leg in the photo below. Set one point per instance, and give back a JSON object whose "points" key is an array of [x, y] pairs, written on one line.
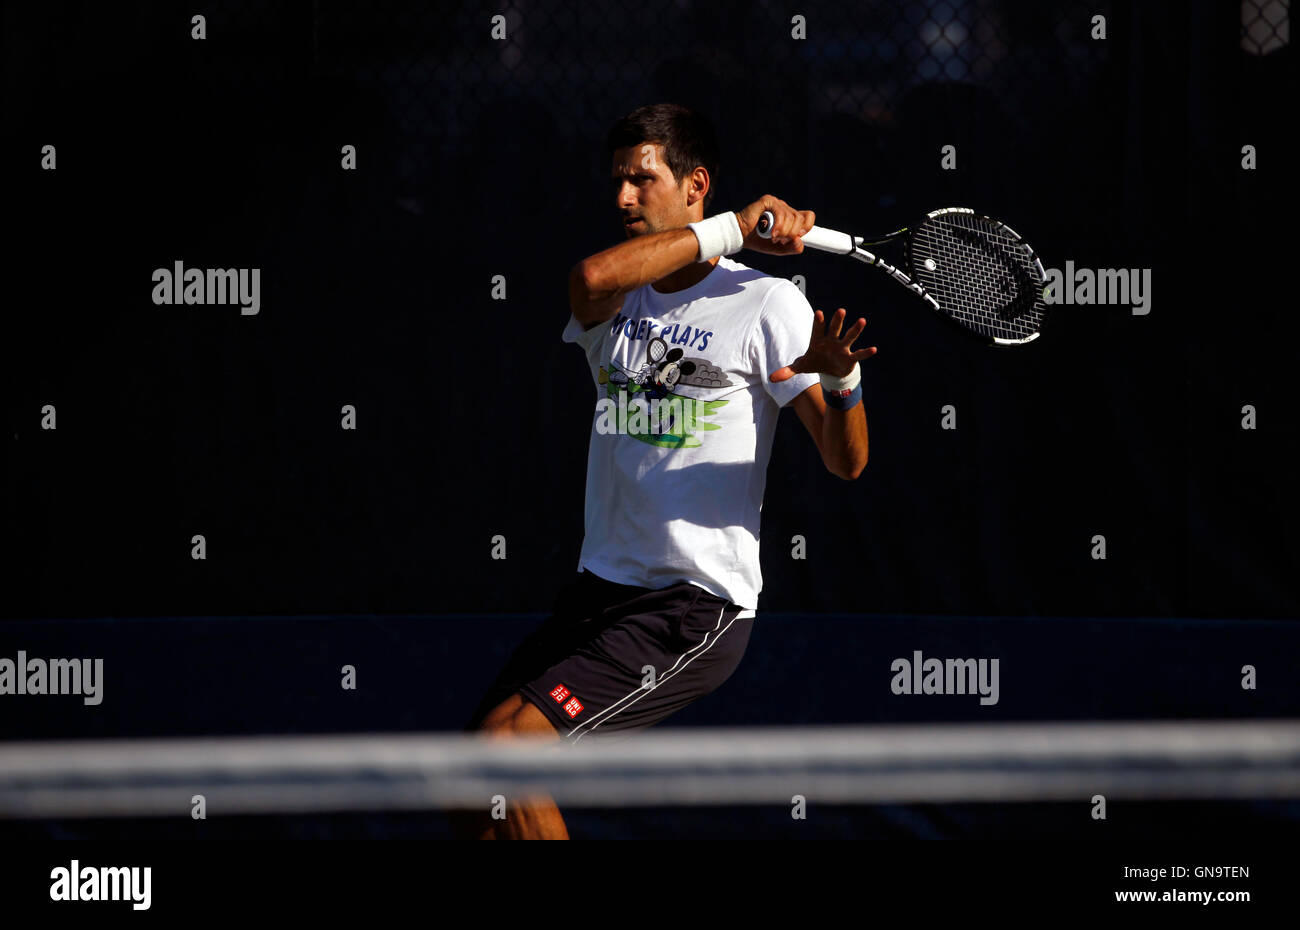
{"points": [[537, 818]]}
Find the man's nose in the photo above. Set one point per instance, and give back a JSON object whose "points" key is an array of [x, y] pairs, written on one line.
{"points": [[626, 196]]}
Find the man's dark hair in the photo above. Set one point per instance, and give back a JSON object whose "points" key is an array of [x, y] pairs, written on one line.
{"points": [[687, 137]]}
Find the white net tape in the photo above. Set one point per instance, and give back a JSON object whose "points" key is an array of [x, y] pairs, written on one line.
{"points": [[838, 765]]}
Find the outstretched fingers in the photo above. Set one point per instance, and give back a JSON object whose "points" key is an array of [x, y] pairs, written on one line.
{"points": [[854, 331], [837, 321]]}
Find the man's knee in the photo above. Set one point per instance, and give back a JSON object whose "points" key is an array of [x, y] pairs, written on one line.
{"points": [[517, 716]]}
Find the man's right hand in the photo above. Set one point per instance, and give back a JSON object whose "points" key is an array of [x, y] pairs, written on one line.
{"points": [[789, 226]]}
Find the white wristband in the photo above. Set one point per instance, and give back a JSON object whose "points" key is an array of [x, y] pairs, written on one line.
{"points": [[718, 235], [843, 385]]}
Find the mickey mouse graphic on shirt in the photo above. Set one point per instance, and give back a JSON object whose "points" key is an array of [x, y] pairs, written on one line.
{"points": [[658, 378]]}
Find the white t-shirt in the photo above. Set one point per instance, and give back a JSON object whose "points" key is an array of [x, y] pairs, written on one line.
{"points": [[675, 496]]}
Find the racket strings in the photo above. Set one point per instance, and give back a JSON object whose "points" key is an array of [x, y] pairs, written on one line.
{"points": [[983, 277]]}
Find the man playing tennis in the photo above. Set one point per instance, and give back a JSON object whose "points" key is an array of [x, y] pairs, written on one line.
{"points": [[661, 611]]}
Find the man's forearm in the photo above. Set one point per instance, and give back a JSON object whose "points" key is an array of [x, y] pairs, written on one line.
{"points": [[844, 441], [597, 283]]}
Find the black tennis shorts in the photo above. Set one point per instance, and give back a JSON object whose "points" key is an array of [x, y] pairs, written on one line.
{"points": [[618, 657]]}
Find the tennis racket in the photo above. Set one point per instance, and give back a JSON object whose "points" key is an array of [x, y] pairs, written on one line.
{"points": [[974, 271]]}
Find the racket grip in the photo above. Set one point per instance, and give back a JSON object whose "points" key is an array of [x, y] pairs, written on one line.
{"points": [[824, 240]]}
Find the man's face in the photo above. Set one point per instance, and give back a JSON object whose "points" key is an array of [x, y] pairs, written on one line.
{"points": [[646, 195]]}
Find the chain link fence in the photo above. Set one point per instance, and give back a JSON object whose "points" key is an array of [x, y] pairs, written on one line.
{"points": [[453, 78], [566, 70], [804, 95], [1265, 26]]}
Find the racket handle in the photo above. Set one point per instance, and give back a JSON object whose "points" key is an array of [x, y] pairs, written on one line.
{"points": [[824, 240]]}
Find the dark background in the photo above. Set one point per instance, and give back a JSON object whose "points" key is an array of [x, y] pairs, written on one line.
{"points": [[480, 158]]}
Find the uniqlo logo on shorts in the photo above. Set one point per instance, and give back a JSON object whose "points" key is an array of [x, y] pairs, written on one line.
{"points": [[560, 694], [574, 707]]}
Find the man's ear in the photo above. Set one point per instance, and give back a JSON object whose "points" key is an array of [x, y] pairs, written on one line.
{"points": [[699, 185]]}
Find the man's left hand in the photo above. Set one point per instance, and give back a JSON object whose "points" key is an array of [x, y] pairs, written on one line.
{"points": [[828, 352]]}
